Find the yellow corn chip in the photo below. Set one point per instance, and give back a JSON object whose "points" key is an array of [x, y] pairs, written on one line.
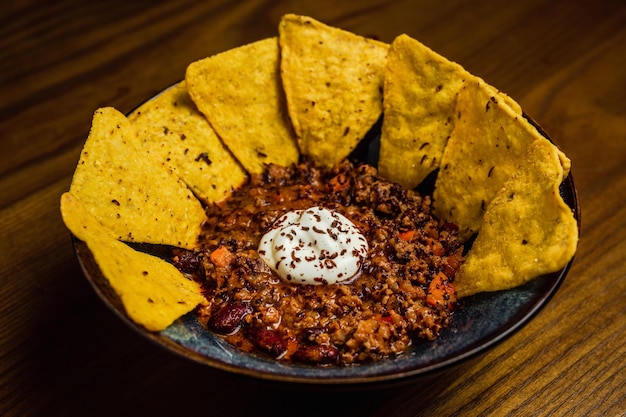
{"points": [[129, 191], [487, 143], [240, 93], [527, 230], [333, 81], [419, 99], [154, 293], [420, 94], [171, 127]]}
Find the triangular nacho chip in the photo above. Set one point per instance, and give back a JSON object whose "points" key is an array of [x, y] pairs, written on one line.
{"points": [[333, 81], [154, 293], [171, 127], [420, 94], [240, 93], [419, 99], [131, 193], [487, 143], [527, 230]]}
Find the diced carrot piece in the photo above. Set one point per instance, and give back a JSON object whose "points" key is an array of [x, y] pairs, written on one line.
{"points": [[221, 257], [338, 183], [441, 292], [406, 236], [292, 347]]}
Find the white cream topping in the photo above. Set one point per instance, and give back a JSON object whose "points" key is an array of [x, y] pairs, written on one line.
{"points": [[314, 246]]}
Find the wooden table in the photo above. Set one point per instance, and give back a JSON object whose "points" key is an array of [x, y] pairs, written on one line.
{"points": [[63, 353]]}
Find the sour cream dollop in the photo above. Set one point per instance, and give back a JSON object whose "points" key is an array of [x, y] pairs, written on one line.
{"points": [[314, 246]]}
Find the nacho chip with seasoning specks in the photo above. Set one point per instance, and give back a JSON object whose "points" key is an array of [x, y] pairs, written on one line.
{"points": [[240, 93], [333, 81], [154, 293], [171, 127], [487, 143], [527, 230], [129, 191], [420, 95]]}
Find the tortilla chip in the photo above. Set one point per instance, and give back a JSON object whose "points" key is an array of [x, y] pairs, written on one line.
{"points": [[240, 93], [527, 230], [419, 99], [129, 192], [487, 143], [333, 81], [154, 293], [420, 95], [171, 127]]}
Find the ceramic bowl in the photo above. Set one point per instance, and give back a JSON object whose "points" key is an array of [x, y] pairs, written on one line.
{"points": [[480, 322]]}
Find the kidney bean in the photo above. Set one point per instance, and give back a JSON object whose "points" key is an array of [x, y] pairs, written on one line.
{"points": [[268, 341], [317, 354], [228, 318], [188, 262]]}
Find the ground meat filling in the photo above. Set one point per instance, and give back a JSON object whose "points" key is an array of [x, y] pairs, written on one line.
{"points": [[403, 293]]}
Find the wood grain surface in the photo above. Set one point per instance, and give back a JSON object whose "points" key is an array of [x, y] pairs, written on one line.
{"points": [[63, 353]]}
